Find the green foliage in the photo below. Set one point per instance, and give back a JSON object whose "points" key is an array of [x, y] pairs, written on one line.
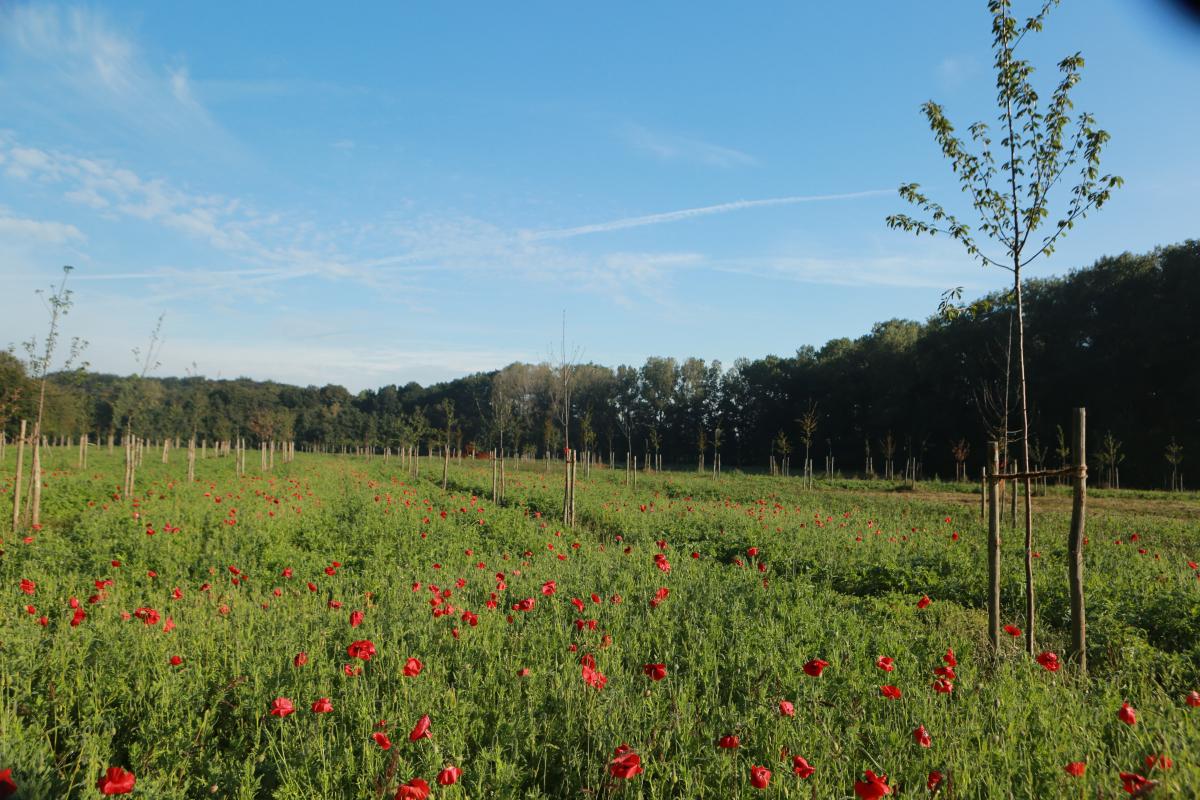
{"points": [[843, 567]]}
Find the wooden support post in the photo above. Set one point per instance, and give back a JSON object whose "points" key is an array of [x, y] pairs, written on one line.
{"points": [[993, 481], [1075, 540], [16, 517]]}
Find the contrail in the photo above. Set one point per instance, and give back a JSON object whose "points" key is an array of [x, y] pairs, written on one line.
{"points": [[688, 213]]}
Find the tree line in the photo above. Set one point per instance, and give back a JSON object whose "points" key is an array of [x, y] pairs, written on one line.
{"points": [[1121, 337]]}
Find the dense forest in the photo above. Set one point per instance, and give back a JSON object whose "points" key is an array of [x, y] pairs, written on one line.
{"points": [[1121, 337]]}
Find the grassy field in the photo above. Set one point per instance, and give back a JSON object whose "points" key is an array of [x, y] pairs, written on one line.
{"points": [[536, 644]]}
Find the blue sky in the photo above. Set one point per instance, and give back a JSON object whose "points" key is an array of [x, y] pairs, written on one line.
{"points": [[417, 191]]}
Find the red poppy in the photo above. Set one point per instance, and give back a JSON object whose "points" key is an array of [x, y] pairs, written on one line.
{"points": [[921, 736], [28, 586], [300, 660], [1127, 714], [933, 781], [413, 667], [281, 707], [815, 667], [760, 777], [116, 781], [1075, 769], [729, 742], [786, 708], [625, 763], [924, 601], [416, 789], [943, 686], [944, 672], [1049, 661], [356, 618], [362, 649], [890, 692], [885, 663], [801, 767], [872, 786], [1160, 761], [549, 588], [176, 661], [949, 658], [449, 776], [421, 731], [655, 672], [382, 740], [7, 787], [1133, 783], [1193, 699], [1012, 630], [322, 706]]}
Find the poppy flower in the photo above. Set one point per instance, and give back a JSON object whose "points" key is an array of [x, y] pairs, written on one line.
{"points": [[28, 586], [944, 672], [449, 776], [322, 706], [416, 789], [421, 731], [300, 660], [523, 672], [79, 616], [655, 672], [921, 736], [7, 787], [815, 667], [549, 588], [382, 740], [760, 777], [1127, 714], [116, 781], [176, 661], [801, 767], [729, 742], [924, 601], [1160, 761], [943, 686], [872, 786], [1049, 661], [1133, 783], [885, 663], [1193, 699], [356, 618], [281, 707], [890, 692], [949, 658], [1012, 630], [362, 649], [786, 709], [413, 667], [625, 763], [1075, 769], [933, 781]]}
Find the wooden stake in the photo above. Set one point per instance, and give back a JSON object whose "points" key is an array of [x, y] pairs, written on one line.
{"points": [[1075, 541], [994, 546], [16, 518]]}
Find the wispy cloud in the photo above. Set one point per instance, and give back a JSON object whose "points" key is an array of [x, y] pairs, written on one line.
{"points": [[37, 231], [100, 79], [671, 147], [701, 211]]}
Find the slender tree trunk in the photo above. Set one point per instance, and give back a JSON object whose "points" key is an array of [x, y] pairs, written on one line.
{"points": [[994, 501]]}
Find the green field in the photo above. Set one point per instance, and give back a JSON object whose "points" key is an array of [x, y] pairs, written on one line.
{"points": [[836, 574]]}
